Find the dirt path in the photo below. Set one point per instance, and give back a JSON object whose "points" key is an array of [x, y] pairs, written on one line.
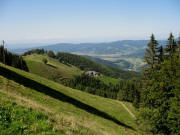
{"points": [[128, 110]]}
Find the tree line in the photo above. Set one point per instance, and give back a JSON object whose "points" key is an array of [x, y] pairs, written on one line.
{"points": [[160, 94], [92, 85], [11, 59], [124, 90]]}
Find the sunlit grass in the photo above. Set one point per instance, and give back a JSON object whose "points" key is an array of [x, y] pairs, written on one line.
{"points": [[75, 119]]}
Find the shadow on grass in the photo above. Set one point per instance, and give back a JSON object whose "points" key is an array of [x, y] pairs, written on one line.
{"points": [[56, 94], [51, 65]]}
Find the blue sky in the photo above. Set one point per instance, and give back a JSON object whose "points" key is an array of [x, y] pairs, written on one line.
{"points": [[87, 20]]}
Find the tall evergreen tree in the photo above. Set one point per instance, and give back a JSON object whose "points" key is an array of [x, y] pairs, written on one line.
{"points": [[151, 57], [171, 46], [171, 52], [3, 52], [160, 54]]}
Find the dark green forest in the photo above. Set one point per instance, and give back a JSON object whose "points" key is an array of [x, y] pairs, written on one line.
{"points": [[124, 90], [92, 85], [160, 95], [11, 59]]}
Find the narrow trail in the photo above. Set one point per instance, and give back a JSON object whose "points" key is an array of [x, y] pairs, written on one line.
{"points": [[128, 110]]}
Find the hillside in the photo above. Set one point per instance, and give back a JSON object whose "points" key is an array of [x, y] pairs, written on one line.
{"points": [[71, 76], [86, 64], [53, 70], [65, 110]]}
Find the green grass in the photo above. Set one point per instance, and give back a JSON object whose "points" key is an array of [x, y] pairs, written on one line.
{"points": [[17, 119], [53, 70], [68, 111]]}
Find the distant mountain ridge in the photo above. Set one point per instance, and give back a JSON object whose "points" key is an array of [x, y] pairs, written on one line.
{"points": [[115, 47]]}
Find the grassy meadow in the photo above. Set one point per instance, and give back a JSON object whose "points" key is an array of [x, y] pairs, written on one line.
{"points": [[53, 70], [65, 110]]}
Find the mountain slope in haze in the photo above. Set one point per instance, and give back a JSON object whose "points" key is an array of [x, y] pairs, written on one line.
{"points": [[115, 64], [116, 47], [66, 111], [128, 51], [123, 47]]}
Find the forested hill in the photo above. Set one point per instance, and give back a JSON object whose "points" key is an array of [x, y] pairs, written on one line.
{"points": [[86, 64], [11, 59]]}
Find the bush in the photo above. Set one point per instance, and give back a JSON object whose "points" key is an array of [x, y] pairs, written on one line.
{"points": [[45, 60]]}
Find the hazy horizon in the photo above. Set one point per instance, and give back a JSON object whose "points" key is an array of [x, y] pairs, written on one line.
{"points": [[32, 44]]}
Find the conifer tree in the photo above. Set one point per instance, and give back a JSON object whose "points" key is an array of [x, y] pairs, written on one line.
{"points": [[171, 46], [171, 51], [3, 52], [151, 57], [160, 55], [151, 52], [10, 59]]}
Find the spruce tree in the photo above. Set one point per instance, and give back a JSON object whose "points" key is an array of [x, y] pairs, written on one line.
{"points": [[160, 54], [171, 46], [4, 57], [171, 52], [151, 57]]}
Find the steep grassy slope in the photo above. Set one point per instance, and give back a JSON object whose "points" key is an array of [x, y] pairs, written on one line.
{"points": [[53, 70], [17, 119], [69, 111]]}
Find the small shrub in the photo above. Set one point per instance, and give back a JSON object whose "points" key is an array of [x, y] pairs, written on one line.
{"points": [[45, 60]]}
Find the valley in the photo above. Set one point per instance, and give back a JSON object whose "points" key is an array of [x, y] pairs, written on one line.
{"points": [[89, 67]]}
